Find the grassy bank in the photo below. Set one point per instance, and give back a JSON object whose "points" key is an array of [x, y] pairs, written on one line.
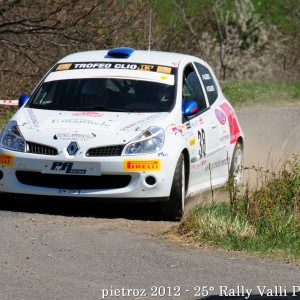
{"points": [[263, 220], [6, 112], [249, 93]]}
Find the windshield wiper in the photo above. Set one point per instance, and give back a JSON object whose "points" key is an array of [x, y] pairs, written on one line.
{"points": [[106, 108], [39, 106]]}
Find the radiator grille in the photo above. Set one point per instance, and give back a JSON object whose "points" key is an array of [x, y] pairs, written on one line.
{"points": [[40, 149], [106, 151]]}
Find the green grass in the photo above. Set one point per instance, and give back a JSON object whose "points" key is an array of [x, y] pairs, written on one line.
{"points": [[249, 93], [264, 220], [6, 112]]}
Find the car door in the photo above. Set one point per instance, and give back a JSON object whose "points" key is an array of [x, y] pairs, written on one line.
{"points": [[202, 130], [218, 167]]}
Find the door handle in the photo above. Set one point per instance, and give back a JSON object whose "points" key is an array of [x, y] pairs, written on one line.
{"points": [[213, 125]]}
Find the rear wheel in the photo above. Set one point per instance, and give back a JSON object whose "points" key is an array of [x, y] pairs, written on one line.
{"points": [[174, 208], [236, 168]]}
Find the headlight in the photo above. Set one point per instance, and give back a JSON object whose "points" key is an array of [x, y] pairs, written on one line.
{"points": [[12, 138], [150, 141]]}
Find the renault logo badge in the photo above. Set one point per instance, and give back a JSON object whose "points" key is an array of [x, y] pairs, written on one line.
{"points": [[72, 148]]}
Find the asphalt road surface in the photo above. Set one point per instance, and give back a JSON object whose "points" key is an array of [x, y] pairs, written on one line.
{"points": [[70, 250]]}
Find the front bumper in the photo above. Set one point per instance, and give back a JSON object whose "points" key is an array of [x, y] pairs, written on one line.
{"points": [[30, 175]]}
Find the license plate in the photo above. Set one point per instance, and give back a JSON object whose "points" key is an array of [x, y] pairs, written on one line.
{"points": [[71, 168]]}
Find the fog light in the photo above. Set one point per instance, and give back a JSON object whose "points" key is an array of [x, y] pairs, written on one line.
{"points": [[1, 175], [150, 180]]}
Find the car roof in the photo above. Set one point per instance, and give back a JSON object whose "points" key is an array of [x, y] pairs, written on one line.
{"points": [[137, 56]]}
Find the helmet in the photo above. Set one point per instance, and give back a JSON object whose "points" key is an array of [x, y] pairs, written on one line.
{"points": [[161, 91]]}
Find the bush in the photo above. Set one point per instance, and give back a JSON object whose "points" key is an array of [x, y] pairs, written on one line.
{"points": [[264, 219]]}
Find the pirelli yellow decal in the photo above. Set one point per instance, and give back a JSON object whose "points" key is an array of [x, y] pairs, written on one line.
{"points": [[142, 165], [63, 67], [166, 70], [6, 160]]}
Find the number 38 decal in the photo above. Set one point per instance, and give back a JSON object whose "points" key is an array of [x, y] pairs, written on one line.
{"points": [[202, 144]]}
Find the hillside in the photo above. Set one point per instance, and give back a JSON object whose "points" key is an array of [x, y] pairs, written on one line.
{"points": [[245, 39]]}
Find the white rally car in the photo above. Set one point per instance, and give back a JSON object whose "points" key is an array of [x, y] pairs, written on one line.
{"points": [[122, 125]]}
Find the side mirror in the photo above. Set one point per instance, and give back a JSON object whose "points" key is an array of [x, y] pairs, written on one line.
{"points": [[189, 108], [23, 99]]}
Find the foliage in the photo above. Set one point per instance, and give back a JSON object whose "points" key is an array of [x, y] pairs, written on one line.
{"points": [[263, 219], [245, 39], [37, 33]]}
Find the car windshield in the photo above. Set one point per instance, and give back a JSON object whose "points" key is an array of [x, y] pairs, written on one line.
{"points": [[104, 94]]}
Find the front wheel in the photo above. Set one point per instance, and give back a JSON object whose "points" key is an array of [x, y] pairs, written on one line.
{"points": [[174, 208]]}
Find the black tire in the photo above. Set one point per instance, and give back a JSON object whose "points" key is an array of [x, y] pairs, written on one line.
{"points": [[174, 208], [236, 168]]}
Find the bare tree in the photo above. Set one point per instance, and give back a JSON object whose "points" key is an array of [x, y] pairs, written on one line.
{"points": [[36, 33]]}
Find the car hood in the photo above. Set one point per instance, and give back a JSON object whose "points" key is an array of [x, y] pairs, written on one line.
{"points": [[97, 128]]}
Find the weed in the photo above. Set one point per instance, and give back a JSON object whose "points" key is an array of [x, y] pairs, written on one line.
{"points": [[263, 219]]}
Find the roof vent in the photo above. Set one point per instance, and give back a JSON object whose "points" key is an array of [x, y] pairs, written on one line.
{"points": [[122, 52]]}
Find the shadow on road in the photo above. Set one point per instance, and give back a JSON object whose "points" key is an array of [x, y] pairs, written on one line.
{"points": [[131, 211]]}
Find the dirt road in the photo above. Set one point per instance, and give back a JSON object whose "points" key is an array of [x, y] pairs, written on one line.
{"points": [[84, 251]]}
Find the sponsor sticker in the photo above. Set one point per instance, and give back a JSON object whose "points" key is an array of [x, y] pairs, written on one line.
{"points": [[32, 116], [73, 168], [205, 76], [135, 114], [233, 124], [224, 137], [142, 165], [220, 116], [166, 70], [93, 124], [145, 67], [65, 136], [192, 142], [88, 114], [218, 164], [66, 167], [162, 154], [139, 122], [63, 67], [176, 129], [201, 164], [6, 160], [113, 65], [194, 123], [210, 88], [72, 192]]}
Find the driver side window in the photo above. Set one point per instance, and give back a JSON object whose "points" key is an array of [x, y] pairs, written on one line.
{"points": [[192, 89]]}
